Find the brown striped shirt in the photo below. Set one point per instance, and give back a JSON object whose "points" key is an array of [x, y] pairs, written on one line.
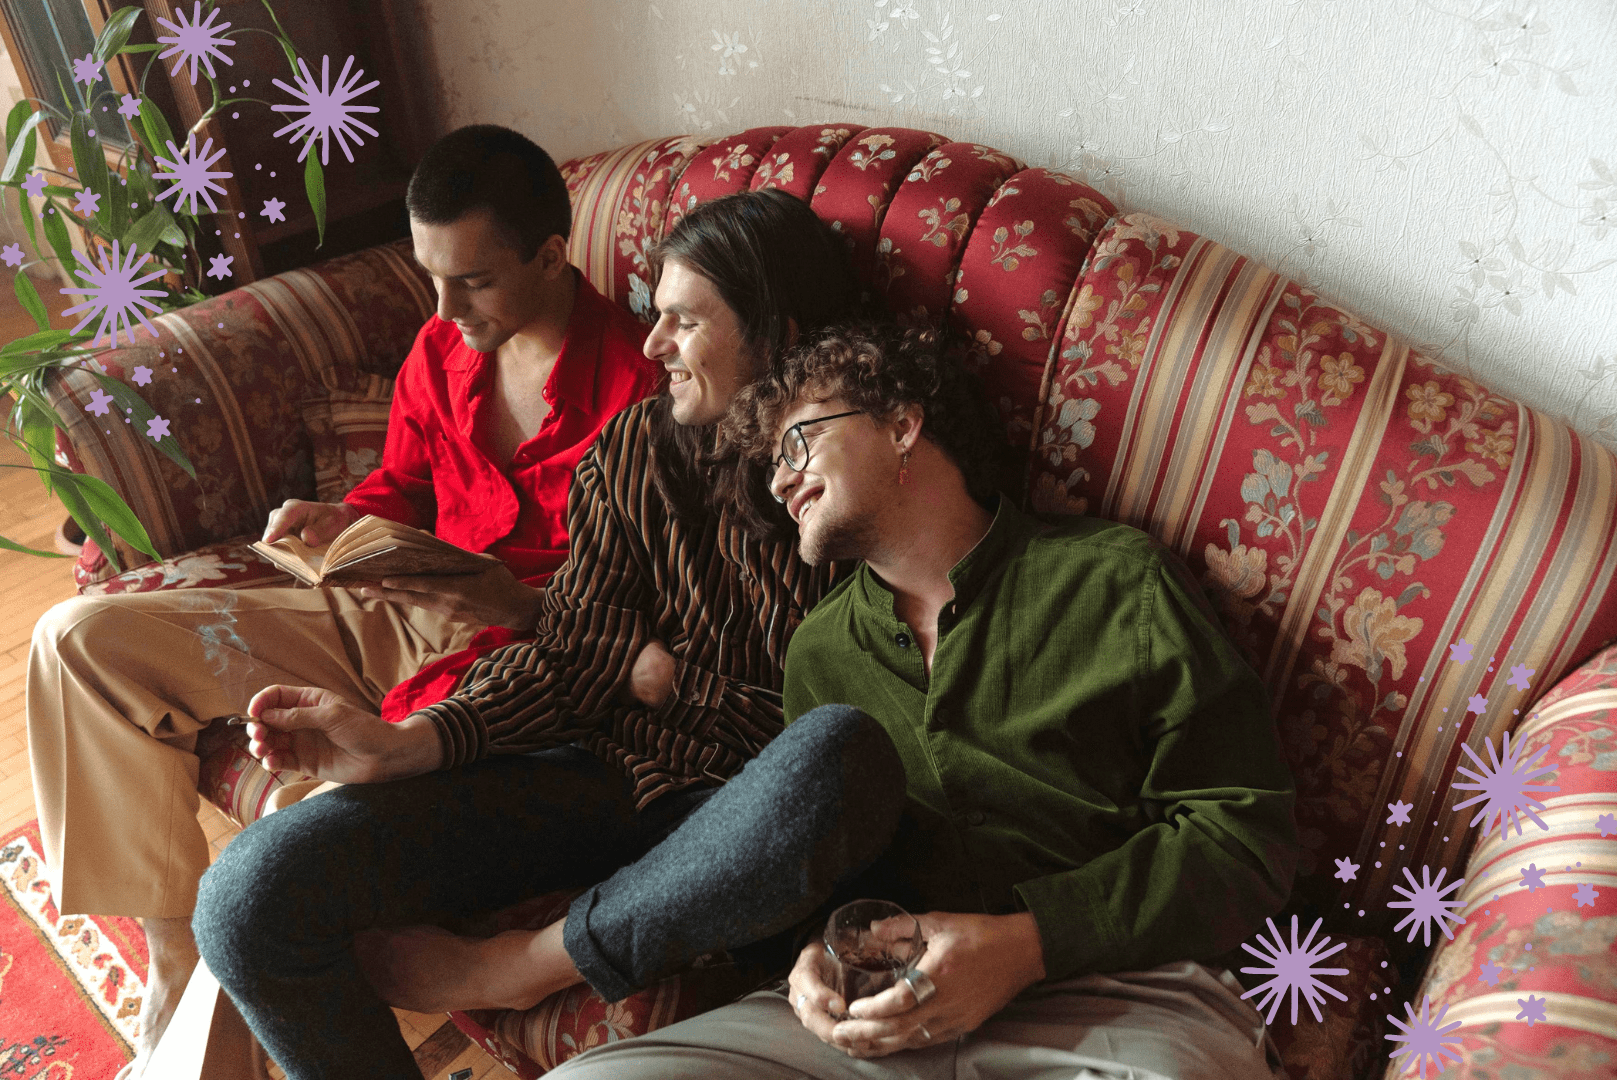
{"points": [[723, 603]]}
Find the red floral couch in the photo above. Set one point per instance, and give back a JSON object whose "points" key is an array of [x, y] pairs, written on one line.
{"points": [[1416, 565]]}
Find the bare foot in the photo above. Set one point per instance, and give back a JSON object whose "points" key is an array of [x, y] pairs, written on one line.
{"points": [[427, 969], [172, 952], [172, 955]]}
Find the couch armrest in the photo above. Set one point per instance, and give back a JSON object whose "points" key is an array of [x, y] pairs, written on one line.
{"points": [[1550, 939], [230, 374]]}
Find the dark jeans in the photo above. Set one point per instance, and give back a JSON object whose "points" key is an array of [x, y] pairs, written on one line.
{"points": [[693, 873]]}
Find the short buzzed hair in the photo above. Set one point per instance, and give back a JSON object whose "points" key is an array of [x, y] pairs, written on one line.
{"points": [[488, 167]]}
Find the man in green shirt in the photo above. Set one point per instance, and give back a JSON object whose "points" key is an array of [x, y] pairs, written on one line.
{"points": [[1097, 799]]}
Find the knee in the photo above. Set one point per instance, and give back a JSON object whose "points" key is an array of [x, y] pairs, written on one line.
{"points": [[847, 741], [248, 901], [62, 624]]}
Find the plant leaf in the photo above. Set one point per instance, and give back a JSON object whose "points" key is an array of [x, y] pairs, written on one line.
{"points": [[158, 134], [56, 233], [116, 32], [314, 182], [149, 231], [139, 413], [14, 120], [12, 545], [69, 491], [109, 506], [281, 36], [20, 156], [43, 339], [92, 173], [28, 296]]}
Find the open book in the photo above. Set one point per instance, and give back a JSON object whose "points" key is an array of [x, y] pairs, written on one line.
{"points": [[371, 549]]}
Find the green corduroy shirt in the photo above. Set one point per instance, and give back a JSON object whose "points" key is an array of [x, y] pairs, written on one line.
{"points": [[1089, 747]]}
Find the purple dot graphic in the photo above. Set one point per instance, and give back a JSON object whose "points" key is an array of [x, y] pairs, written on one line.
{"points": [[174, 369], [1445, 839], [1400, 847], [91, 132], [1383, 843], [258, 167], [1383, 963], [1400, 753], [221, 326], [134, 206], [232, 89], [1372, 995], [237, 116], [103, 108], [70, 168], [1378, 865], [1361, 911], [238, 236], [247, 82], [272, 172], [1529, 945], [220, 232], [199, 401]]}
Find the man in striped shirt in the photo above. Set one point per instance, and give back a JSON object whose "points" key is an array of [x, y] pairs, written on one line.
{"points": [[654, 677]]}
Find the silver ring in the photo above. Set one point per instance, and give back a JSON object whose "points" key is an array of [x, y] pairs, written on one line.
{"points": [[920, 984], [925, 1034], [802, 1000]]}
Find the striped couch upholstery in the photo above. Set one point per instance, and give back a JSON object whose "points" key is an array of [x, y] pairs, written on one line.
{"points": [[1410, 560]]}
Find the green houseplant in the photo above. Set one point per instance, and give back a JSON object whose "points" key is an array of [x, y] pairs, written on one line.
{"points": [[120, 207]]}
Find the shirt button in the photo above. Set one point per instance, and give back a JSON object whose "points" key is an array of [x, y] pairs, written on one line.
{"points": [[975, 818], [902, 641]]}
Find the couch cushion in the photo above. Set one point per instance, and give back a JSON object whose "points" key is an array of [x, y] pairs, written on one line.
{"points": [[347, 423], [1552, 937], [1356, 508], [229, 564]]}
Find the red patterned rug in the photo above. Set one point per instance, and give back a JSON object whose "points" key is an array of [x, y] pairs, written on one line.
{"points": [[70, 988]]}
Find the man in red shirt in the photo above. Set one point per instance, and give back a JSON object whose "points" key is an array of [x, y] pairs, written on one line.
{"points": [[504, 391]]}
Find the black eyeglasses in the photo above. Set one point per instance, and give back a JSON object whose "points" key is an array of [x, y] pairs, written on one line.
{"points": [[794, 448]]}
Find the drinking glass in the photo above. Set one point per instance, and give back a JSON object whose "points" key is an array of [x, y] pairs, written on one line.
{"points": [[870, 945]]}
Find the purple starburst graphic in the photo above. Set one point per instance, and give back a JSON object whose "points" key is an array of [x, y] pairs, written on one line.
{"points": [[1532, 1009], [99, 400], [157, 427], [1426, 1041], [1533, 877], [326, 110], [129, 106], [1607, 824], [114, 293], [1586, 895], [1427, 904], [1460, 651], [195, 41], [11, 254], [272, 209], [190, 173], [87, 70], [1346, 869], [142, 375], [35, 184], [1519, 676], [1477, 704], [87, 203], [1506, 785], [1293, 969], [1489, 973], [219, 266], [1400, 813]]}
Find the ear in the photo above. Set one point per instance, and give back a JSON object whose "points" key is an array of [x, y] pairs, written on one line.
{"points": [[552, 255], [907, 428], [791, 331]]}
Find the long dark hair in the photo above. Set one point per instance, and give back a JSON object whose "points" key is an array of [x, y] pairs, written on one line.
{"points": [[776, 265]]}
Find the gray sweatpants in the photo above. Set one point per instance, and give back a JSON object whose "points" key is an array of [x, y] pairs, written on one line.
{"points": [[1180, 1021]]}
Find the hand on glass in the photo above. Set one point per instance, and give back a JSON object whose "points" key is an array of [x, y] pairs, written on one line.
{"points": [[315, 732], [315, 523], [978, 963], [493, 598]]}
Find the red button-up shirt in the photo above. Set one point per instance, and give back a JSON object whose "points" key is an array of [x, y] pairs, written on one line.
{"points": [[437, 473]]}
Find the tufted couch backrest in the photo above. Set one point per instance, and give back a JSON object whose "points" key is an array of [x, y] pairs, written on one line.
{"points": [[1408, 559]]}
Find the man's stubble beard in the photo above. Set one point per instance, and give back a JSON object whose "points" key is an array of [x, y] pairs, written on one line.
{"points": [[837, 539]]}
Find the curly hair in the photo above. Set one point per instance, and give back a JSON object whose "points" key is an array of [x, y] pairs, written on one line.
{"points": [[879, 369]]}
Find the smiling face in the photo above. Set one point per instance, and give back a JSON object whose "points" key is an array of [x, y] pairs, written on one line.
{"points": [[698, 338], [838, 497], [484, 287]]}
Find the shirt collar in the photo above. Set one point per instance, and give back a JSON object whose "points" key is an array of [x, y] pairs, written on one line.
{"points": [[1007, 535]]}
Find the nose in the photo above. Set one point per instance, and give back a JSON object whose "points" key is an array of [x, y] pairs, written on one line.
{"points": [[450, 302], [783, 480], [660, 342]]}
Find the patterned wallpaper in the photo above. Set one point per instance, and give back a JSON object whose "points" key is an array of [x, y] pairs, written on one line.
{"points": [[1448, 168]]}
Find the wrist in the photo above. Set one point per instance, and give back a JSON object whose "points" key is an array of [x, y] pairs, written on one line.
{"points": [[420, 749]]}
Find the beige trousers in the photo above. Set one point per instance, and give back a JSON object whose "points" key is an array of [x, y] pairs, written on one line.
{"points": [[119, 686], [1179, 1021]]}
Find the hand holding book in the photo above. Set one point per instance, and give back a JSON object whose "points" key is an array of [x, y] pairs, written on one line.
{"points": [[369, 550]]}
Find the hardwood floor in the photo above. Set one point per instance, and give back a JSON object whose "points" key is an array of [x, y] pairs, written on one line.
{"points": [[30, 586]]}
